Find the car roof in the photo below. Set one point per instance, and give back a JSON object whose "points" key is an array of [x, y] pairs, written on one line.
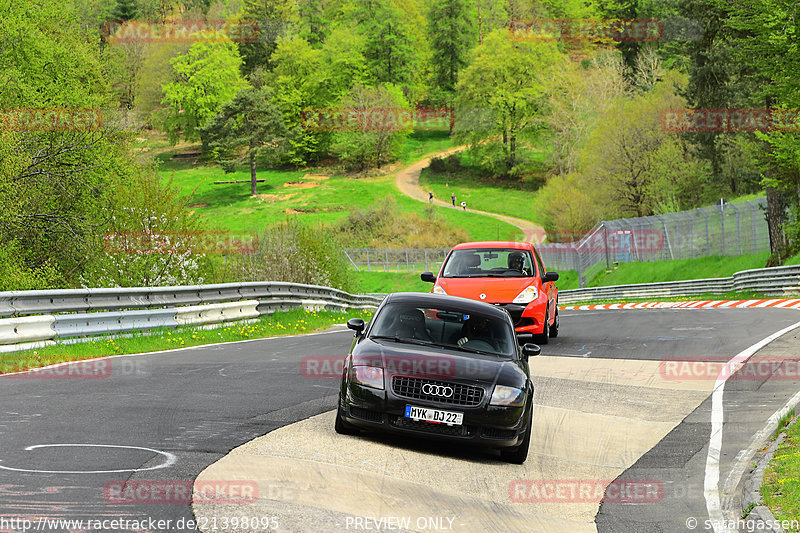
{"points": [[494, 244], [465, 304]]}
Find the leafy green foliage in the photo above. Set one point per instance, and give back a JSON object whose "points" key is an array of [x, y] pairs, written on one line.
{"points": [[502, 97], [378, 130], [250, 122], [205, 78], [293, 253]]}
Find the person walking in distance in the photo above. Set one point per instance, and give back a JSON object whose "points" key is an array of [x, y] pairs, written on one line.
{"points": [[464, 206], [430, 197], [453, 198]]}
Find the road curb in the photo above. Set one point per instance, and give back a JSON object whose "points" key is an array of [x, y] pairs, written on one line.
{"points": [[751, 491], [780, 303]]}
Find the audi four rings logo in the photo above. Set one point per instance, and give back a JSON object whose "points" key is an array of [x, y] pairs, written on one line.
{"points": [[437, 390]]}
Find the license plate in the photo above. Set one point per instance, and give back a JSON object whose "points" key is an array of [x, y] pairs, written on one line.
{"points": [[437, 416]]}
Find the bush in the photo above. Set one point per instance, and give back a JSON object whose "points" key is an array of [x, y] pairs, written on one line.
{"points": [[296, 254], [152, 239], [16, 276], [383, 225]]}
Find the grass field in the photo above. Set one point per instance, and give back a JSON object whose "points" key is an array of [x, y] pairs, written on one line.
{"points": [[280, 323], [315, 196], [781, 488], [512, 198]]}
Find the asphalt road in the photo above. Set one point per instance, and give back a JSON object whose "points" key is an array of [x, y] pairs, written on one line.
{"points": [[189, 408]]}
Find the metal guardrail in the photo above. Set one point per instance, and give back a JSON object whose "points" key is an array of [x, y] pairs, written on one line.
{"points": [[30, 316], [775, 281]]}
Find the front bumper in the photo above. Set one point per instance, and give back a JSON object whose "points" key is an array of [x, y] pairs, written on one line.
{"points": [[383, 410], [527, 318]]}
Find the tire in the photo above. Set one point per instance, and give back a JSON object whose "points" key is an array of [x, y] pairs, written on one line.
{"points": [[554, 327], [544, 338], [518, 454], [341, 426]]}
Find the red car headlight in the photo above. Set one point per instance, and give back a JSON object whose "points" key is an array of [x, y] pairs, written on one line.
{"points": [[528, 295]]}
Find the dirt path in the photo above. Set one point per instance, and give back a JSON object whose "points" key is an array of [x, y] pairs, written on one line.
{"points": [[407, 180]]}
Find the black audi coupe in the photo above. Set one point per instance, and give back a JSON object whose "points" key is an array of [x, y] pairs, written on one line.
{"points": [[441, 367]]}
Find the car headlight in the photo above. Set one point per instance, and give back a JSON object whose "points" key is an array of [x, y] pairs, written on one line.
{"points": [[369, 376], [527, 296], [438, 290], [507, 396]]}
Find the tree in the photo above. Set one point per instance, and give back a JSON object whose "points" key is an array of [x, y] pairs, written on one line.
{"points": [[451, 33], [637, 165], [205, 78], [251, 121], [373, 128], [579, 95], [763, 36], [125, 10], [506, 83], [388, 46], [298, 83], [273, 18], [54, 184]]}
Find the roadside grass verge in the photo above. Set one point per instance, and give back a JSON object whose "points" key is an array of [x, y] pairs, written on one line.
{"points": [[293, 322], [388, 282], [679, 269], [781, 488]]}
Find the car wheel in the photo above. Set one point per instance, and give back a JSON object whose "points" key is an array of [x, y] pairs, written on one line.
{"points": [[518, 454], [341, 426], [544, 338], [554, 327]]}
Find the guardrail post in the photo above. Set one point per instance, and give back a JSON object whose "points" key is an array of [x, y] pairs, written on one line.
{"points": [[722, 225]]}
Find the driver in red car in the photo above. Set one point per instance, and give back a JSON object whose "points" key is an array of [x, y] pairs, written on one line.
{"points": [[517, 262]]}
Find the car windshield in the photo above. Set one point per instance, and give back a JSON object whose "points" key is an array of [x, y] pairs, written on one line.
{"points": [[489, 262], [444, 326]]}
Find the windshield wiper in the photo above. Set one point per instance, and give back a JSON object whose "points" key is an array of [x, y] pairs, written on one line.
{"points": [[405, 340], [474, 350]]}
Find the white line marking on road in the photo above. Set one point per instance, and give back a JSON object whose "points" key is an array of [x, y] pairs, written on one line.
{"points": [[711, 483], [171, 459]]}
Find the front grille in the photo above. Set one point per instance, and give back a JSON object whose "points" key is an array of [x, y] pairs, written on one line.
{"points": [[366, 414], [430, 427], [496, 433], [466, 395]]}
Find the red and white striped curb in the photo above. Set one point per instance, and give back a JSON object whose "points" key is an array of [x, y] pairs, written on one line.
{"points": [[702, 304]]}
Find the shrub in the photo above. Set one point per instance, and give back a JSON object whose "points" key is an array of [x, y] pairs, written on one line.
{"points": [[293, 253]]}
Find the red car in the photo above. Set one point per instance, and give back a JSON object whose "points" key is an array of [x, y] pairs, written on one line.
{"points": [[510, 275]]}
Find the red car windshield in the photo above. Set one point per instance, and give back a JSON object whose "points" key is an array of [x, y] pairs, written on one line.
{"points": [[489, 262]]}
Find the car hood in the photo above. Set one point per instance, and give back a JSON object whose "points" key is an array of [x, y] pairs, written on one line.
{"points": [[410, 360], [497, 290]]}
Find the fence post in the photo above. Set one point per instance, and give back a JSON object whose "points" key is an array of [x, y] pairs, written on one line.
{"points": [[426, 261], [691, 237], [753, 210], [708, 240], [386, 264], [722, 225], [407, 270], [368, 260]]}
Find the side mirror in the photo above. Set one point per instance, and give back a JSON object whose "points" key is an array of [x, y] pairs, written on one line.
{"points": [[550, 276], [530, 350], [428, 276], [356, 324]]}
